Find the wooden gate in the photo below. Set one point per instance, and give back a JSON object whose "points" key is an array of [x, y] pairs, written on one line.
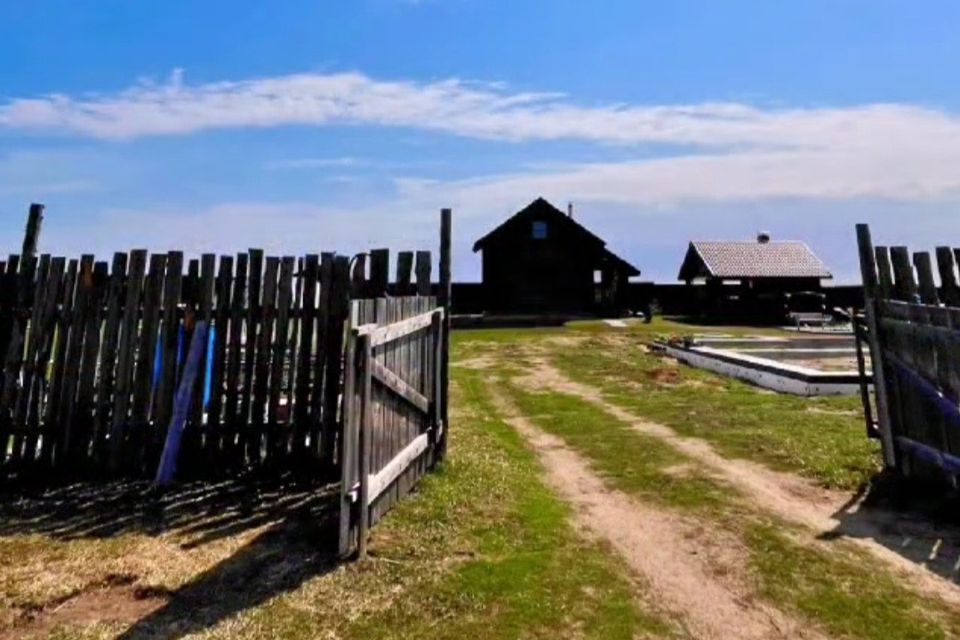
{"points": [[913, 329], [395, 390]]}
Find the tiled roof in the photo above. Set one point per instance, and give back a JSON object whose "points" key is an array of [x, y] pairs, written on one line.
{"points": [[759, 260]]}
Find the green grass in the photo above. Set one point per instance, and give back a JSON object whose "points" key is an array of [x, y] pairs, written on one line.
{"points": [[630, 461], [484, 550], [532, 577], [830, 587], [820, 438], [673, 326], [846, 593]]}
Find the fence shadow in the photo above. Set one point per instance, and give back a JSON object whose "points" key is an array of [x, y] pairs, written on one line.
{"points": [[298, 540], [918, 520], [199, 511], [277, 561]]}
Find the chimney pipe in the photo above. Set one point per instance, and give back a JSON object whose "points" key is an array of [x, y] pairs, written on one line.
{"points": [[570, 209]]}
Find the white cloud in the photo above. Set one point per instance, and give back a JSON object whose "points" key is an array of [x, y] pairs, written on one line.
{"points": [[468, 109], [727, 152], [738, 151], [894, 174]]}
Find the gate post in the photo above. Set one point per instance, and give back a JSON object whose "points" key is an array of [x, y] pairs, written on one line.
{"points": [[871, 287], [444, 300]]}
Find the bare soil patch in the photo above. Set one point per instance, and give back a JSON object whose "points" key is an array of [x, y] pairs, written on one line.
{"points": [[115, 600], [479, 363]]}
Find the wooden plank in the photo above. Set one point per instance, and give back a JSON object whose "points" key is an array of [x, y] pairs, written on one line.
{"points": [[31, 237], [380, 481], [946, 266], [51, 434], [302, 399], [358, 277], [277, 436], [292, 361], [73, 352], [146, 357], [382, 431], [405, 410], [379, 272], [380, 335], [32, 382], [8, 300], [404, 269], [329, 270], [884, 274], [88, 364], [333, 343], [349, 450], [16, 293], [393, 408], [192, 438], [423, 268], [411, 416], [904, 285], [254, 314], [927, 287], [261, 386], [128, 339], [103, 412], [233, 420], [170, 336], [43, 329], [221, 328], [25, 276], [366, 357], [207, 285], [868, 263]]}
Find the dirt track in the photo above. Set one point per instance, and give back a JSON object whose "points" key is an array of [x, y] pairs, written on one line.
{"points": [[693, 572], [697, 573], [795, 499]]}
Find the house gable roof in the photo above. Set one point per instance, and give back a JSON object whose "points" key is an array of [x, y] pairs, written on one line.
{"points": [[786, 259], [541, 209]]}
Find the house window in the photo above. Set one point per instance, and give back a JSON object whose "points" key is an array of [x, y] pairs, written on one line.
{"points": [[598, 277], [539, 230]]}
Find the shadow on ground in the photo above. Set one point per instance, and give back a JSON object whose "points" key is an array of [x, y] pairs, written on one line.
{"points": [[204, 511], [297, 542], [277, 561], [919, 520]]}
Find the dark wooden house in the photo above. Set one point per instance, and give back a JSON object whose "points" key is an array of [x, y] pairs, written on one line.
{"points": [[541, 261], [752, 277]]}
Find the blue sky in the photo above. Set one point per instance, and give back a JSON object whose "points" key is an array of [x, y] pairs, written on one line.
{"points": [[307, 126]]}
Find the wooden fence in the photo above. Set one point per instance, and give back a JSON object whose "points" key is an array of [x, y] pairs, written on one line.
{"points": [[913, 329], [96, 354]]}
